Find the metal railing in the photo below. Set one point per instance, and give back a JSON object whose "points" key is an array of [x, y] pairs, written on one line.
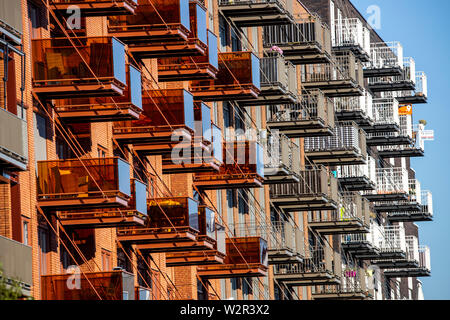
{"points": [[351, 207], [374, 237], [394, 239], [276, 71], [392, 180], [412, 248], [367, 170], [346, 136], [280, 152], [385, 55], [312, 106], [385, 111], [408, 74], [424, 257], [363, 103], [352, 32]]}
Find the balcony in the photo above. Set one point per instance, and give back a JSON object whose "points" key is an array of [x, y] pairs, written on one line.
{"points": [[405, 81], [112, 285], [417, 96], [321, 267], [360, 177], [203, 154], [255, 13], [134, 214], [278, 82], [191, 68], [243, 167], [317, 190], [238, 79], [166, 114], [346, 147], [163, 28], [95, 68], [421, 267], [353, 286], [15, 258], [306, 41], [410, 146], [105, 109], [312, 116], [11, 27], [92, 8], [245, 257], [364, 246], [352, 35], [412, 204], [286, 243], [210, 231], [341, 78], [75, 184], [392, 185], [392, 247], [13, 142], [353, 216], [386, 59], [172, 226], [281, 164], [386, 122], [357, 109]]}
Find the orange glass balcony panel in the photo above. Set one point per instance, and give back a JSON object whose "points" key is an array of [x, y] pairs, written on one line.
{"points": [[238, 78], [105, 109], [114, 285], [92, 8], [245, 257], [80, 67], [89, 183], [243, 167], [134, 214], [164, 111]]}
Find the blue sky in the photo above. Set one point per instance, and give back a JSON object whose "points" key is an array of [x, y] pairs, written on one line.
{"points": [[422, 27]]}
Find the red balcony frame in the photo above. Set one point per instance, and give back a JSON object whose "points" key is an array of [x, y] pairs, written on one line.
{"points": [[96, 8], [238, 79], [253, 249], [74, 185], [55, 59], [159, 33], [164, 112], [103, 109]]}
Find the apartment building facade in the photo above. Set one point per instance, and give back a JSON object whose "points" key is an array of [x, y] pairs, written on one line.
{"points": [[208, 149]]}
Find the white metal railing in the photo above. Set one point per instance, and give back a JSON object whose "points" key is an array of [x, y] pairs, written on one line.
{"points": [[406, 125], [385, 111], [412, 248], [374, 237], [421, 84], [346, 136], [287, 4], [352, 32], [363, 103], [392, 180], [408, 74], [367, 170], [415, 191], [385, 55], [350, 207], [427, 202], [393, 239], [424, 257], [280, 152]]}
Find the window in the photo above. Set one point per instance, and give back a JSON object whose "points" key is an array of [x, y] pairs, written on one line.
{"points": [[106, 260], [25, 232], [235, 41], [211, 15], [35, 17], [223, 34], [247, 288]]}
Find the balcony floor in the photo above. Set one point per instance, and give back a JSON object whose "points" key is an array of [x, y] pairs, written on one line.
{"points": [[83, 201], [92, 113], [307, 279], [339, 227], [283, 256], [406, 153], [336, 157], [198, 72], [303, 203], [336, 88], [395, 86], [357, 116], [382, 72], [228, 183], [301, 128], [101, 219], [184, 259], [362, 250], [357, 183], [408, 273], [232, 271], [358, 295], [97, 8], [410, 217]]}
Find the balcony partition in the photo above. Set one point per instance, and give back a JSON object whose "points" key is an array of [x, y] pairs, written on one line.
{"points": [[312, 116], [105, 109], [76, 184], [255, 13], [79, 67], [317, 190], [95, 8], [13, 142], [166, 114], [351, 34], [245, 257], [306, 41], [238, 79], [386, 59], [343, 77], [346, 147], [278, 82], [112, 285]]}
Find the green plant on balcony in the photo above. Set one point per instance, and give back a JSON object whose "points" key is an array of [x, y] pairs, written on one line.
{"points": [[10, 289]]}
